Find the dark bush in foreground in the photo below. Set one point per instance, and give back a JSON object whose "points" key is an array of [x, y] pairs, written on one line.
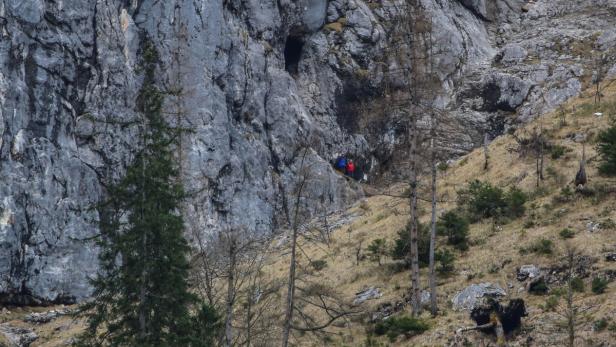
{"points": [[403, 325], [606, 146]]}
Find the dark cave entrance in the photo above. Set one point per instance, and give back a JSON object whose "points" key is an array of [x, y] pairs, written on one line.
{"points": [[292, 53]]}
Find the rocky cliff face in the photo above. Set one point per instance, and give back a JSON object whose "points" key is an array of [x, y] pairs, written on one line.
{"points": [[260, 81]]}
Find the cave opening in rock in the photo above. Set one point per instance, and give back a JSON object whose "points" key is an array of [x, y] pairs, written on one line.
{"points": [[292, 53]]}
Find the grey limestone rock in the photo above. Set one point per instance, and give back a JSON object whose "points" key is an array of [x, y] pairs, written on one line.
{"points": [[369, 293], [528, 272], [512, 53], [16, 336], [472, 296]]}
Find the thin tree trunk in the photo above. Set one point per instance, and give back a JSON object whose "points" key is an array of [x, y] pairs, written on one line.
{"points": [[570, 317], [500, 332], [570, 309], [485, 151], [415, 294], [433, 307], [249, 317], [541, 154], [290, 304], [288, 316], [537, 169], [142, 294], [144, 249], [230, 292]]}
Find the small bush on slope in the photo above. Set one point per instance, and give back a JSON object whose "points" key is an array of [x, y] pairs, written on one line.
{"points": [[483, 200], [606, 146], [455, 227], [404, 325], [401, 245]]}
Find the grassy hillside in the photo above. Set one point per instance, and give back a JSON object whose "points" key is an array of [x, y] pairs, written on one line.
{"points": [[496, 249]]}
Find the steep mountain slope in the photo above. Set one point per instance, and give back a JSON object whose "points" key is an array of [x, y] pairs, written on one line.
{"points": [[496, 251]]}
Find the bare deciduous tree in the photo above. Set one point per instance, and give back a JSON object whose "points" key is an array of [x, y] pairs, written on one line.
{"points": [[574, 314], [310, 305]]}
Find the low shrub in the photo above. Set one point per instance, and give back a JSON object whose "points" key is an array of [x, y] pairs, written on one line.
{"points": [[455, 227], [607, 224], [577, 285], [403, 325], [606, 147], [401, 245], [566, 233], [600, 324], [550, 303], [566, 195], [599, 285], [377, 249], [529, 223], [483, 200], [515, 199], [558, 151], [442, 166], [538, 288], [541, 246], [446, 262], [318, 265]]}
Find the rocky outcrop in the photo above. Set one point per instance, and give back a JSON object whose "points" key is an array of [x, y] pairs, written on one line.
{"points": [[366, 294], [17, 336], [528, 272], [261, 80], [475, 295], [46, 317]]}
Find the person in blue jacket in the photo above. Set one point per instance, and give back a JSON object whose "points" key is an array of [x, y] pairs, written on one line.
{"points": [[341, 163]]}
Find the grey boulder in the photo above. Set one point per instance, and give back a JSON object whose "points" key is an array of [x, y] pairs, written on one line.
{"points": [[17, 337], [473, 295], [528, 271], [364, 295]]}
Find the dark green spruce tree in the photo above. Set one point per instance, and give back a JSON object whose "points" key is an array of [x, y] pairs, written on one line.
{"points": [[141, 294], [606, 146]]}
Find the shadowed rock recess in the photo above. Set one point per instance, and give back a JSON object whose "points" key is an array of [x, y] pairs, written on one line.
{"points": [[260, 80]]}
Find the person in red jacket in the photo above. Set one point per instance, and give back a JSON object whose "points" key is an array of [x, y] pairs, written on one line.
{"points": [[350, 168]]}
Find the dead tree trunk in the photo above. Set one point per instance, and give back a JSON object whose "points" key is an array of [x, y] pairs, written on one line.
{"points": [[570, 310], [433, 308], [290, 302], [231, 270], [413, 234], [485, 151]]}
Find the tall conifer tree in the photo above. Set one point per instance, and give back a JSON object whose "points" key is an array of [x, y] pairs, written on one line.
{"points": [[141, 294]]}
